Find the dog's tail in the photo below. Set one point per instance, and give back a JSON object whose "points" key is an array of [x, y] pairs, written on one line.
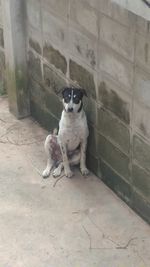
{"points": [[55, 131]]}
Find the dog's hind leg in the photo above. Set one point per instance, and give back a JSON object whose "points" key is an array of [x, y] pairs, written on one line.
{"points": [[48, 151]]}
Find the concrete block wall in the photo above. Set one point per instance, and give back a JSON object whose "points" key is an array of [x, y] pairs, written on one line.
{"points": [[2, 56], [105, 49]]}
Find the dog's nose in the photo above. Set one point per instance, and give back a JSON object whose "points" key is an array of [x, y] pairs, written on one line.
{"points": [[70, 109]]}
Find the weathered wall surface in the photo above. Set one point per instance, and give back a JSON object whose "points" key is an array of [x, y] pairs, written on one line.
{"points": [[2, 56], [138, 7], [105, 49]]}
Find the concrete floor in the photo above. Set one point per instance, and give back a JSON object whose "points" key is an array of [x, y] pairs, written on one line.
{"points": [[75, 222]]}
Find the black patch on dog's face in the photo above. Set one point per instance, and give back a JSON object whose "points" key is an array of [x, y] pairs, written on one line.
{"points": [[72, 99], [67, 93]]}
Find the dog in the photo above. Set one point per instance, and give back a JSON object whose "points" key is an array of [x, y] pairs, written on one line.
{"points": [[68, 147]]}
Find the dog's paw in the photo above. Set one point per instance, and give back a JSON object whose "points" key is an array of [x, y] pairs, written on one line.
{"points": [[69, 173], [84, 171], [56, 172], [46, 173]]}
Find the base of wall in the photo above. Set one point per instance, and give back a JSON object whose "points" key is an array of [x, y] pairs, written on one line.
{"points": [[125, 191]]}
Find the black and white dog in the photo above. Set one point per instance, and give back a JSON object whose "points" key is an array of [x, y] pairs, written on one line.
{"points": [[69, 146]]}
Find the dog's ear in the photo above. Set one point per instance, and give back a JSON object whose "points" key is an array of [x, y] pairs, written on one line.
{"points": [[62, 91]]}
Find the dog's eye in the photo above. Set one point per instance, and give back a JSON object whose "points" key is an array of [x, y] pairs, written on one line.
{"points": [[67, 99], [76, 100]]}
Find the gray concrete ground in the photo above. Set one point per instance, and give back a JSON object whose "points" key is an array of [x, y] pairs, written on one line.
{"points": [[76, 222]]}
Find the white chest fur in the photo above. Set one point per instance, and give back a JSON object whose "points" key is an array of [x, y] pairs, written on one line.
{"points": [[72, 129]]}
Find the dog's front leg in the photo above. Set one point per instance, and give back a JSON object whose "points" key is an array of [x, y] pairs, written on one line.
{"points": [[67, 169], [83, 167]]}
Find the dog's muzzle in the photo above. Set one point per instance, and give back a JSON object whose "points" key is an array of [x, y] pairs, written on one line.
{"points": [[70, 109]]}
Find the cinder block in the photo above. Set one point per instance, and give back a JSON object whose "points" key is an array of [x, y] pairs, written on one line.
{"points": [[1, 38], [34, 13], [93, 164], [55, 30], [46, 99], [114, 98], [93, 3], [114, 157], [1, 19], [115, 182], [37, 92], [2, 61], [90, 108], [45, 118], [118, 37], [142, 26], [33, 44], [141, 152], [142, 51], [83, 48], [53, 104], [85, 16], [105, 7], [141, 180], [34, 65], [142, 87], [111, 128], [35, 39], [118, 13], [53, 81], [118, 68], [141, 206], [83, 77], [55, 58], [141, 121], [59, 7], [92, 141]]}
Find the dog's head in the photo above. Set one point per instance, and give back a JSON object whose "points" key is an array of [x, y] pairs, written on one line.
{"points": [[72, 99]]}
